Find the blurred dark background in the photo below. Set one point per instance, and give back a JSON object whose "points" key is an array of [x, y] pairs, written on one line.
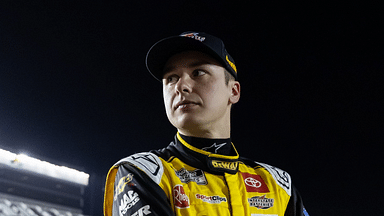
{"points": [[74, 89]]}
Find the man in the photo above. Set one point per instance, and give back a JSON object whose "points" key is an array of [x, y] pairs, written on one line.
{"points": [[200, 172]]}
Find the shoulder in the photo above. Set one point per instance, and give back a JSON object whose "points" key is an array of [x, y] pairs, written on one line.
{"points": [[147, 162], [281, 177]]}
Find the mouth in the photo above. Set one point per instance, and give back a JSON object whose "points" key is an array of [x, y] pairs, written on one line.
{"points": [[185, 104]]}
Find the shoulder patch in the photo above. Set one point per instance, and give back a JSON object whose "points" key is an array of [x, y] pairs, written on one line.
{"points": [[282, 178], [148, 163]]}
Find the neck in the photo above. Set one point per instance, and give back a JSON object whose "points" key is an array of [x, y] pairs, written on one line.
{"points": [[205, 134], [217, 130]]}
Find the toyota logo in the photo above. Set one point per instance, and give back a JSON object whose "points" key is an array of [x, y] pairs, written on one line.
{"points": [[252, 182]]}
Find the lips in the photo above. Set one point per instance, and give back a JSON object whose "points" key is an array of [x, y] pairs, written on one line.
{"points": [[185, 104]]}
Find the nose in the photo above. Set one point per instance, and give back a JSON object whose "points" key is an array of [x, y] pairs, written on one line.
{"points": [[184, 85]]}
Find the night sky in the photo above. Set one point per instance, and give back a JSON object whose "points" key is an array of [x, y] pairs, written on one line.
{"points": [[74, 89]]}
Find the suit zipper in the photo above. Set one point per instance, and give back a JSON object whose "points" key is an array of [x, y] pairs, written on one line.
{"points": [[229, 196]]}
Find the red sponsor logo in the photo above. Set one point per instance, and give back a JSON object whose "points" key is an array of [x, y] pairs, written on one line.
{"points": [[180, 199], [254, 183]]}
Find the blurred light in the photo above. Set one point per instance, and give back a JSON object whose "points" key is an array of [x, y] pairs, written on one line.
{"points": [[24, 162]]}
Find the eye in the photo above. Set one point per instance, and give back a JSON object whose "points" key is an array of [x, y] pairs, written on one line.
{"points": [[171, 79], [198, 72]]}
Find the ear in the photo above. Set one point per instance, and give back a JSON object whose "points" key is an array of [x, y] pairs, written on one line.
{"points": [[235, 92]]}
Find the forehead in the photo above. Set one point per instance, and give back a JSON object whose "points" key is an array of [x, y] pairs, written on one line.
{"points": [[189, 59]]}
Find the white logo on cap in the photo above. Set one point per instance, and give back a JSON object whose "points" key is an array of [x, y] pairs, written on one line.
{"points": [[194, 35]]}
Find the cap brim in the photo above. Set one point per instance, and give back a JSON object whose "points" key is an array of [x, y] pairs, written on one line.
{"points": [[160, 52]]}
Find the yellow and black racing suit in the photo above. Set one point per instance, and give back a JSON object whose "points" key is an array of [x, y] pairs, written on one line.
{"points": [[184, 180]]}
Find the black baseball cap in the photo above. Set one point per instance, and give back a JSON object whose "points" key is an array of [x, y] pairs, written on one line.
{"points": [[164, 49]]}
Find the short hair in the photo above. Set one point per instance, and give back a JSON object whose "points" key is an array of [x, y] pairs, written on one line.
{"points": [[228, 76]]}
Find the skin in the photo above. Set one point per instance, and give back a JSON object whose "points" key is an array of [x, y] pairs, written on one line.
{"points": [[197, 82]]}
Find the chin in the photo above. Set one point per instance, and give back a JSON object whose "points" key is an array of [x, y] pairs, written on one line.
{"points": [[187, 123]]}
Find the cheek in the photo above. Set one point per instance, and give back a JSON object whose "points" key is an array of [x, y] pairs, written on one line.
{"points": [[213, 92], [218, 96], [167, 101], [208, 89]]}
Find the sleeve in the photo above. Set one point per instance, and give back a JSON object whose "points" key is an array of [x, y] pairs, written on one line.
{"points": [[295, 205], [130, 190]]}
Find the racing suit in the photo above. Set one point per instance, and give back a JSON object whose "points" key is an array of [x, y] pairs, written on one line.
{"points": [[184, 180]]}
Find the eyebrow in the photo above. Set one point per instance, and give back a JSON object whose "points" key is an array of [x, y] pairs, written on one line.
{"points": [[192, 64]]}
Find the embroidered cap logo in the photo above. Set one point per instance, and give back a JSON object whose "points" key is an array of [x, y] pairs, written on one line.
{"points": [[194, 35], [233, 66]]}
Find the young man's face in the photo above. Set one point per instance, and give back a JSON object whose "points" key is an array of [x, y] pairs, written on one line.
{"points": [[196, 98]]}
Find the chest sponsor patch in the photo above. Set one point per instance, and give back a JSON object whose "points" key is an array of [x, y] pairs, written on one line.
{"points": [[254, 183], [225, 165], [180, 199], [261, 202], [211, 199], [186, 176]]}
